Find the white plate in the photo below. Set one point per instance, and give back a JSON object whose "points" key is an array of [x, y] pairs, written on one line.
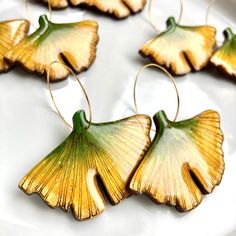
{"points": [[30, 129]]}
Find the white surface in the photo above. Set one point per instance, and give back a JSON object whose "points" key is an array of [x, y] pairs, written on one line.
{"points": [[29, 129]]}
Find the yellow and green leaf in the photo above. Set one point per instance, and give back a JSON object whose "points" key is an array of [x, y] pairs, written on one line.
{"points": [[72, 43], [181, 48], [68, 176], [119, 8], [225, 56], [11, 33], [185, 161]]}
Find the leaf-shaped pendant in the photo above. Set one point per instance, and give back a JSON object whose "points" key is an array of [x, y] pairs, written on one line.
{"points": [[181, 48], [72, 43], [11, 33], [67, 177], [225, 56], [185, 160], [119, 8]]}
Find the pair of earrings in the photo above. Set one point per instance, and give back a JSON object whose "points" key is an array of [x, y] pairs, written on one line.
{"points": [[184, 161], [72, 43], [182, 49], [118, 8]]}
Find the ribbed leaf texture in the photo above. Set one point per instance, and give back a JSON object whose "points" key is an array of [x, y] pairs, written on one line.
{"points": [[67, 177], [72, 43], [184, 162]]}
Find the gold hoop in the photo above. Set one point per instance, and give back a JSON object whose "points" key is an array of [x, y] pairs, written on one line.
{"points": [[211, 2], [150, 16], [28, 14], [168, 75], [50, 10], [82, 87]]}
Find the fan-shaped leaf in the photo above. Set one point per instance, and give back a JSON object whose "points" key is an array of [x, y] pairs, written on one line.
{"points": [[119, 8], [184, 161], [11, 33], [73, 43], [181, 48], [67, 177], [225, 56]]}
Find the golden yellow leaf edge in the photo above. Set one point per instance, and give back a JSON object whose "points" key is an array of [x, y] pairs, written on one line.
{"points": [[224, 57], [11, 33], [181, 49], [68, 176], [168, 176], [72, 43], [118, 8]]}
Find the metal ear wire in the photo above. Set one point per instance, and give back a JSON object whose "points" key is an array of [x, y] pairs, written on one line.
{"points": [[82, 87], [168, 75], [211, 2]]}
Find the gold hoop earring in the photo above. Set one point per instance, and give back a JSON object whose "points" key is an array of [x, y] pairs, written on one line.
{"points": [[184, 161], [67, 177]]}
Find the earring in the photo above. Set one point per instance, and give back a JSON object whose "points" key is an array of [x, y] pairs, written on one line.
{"points": [[67, 177], [73, 43], [185, 158], [224, 57], [181, 48], [11, 33], [118, 8]]}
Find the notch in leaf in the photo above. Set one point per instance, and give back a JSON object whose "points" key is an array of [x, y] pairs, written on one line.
{"points": [[225, 56], [184, 161], [119, 8], [67, 177], [72, 43], [11, 33], [181, 48]]}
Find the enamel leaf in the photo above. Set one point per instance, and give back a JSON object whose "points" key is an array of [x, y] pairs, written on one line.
{"points": [[225, 56], [67, 177], [11, 33], [184, 161], [119, 8], [72, 43], [57, 3], [181, 48]]}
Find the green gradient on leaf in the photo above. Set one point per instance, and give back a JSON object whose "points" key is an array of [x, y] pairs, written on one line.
{"points": [[67, 177], [71, 43], [185, 160]]}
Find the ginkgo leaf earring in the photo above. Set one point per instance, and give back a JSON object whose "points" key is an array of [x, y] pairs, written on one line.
{"points": [[119, 8], [67, 177], [11, 33], [184, 161], [73, 43], [181, 48], [225, 56]]}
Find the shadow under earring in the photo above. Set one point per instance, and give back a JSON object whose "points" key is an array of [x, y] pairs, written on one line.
{"points": [[11, 33], [68, 176], [181, 49], [184, 161]]}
